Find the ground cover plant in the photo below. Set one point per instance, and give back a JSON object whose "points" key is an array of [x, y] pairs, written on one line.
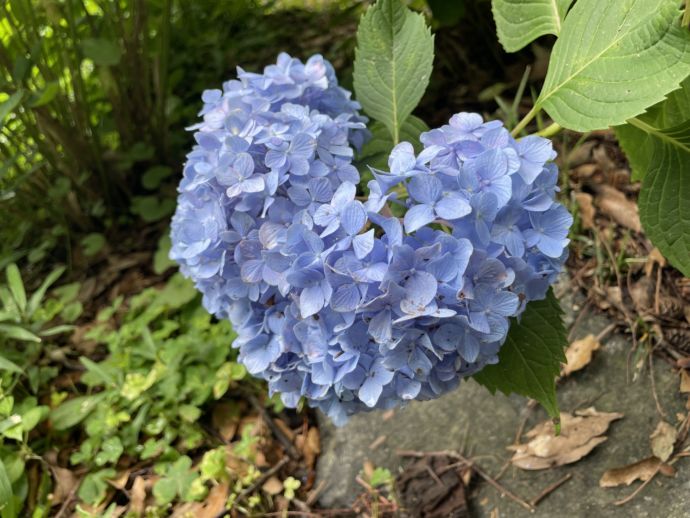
{"points": [[375, 217]]}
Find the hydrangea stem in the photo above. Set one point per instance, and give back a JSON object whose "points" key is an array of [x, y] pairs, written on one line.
{"points": [[525, 121], [550, 130]]}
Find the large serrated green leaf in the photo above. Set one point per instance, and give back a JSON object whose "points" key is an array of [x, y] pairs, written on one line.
{"points": [[530, 360], [614, 59], [637, 138], [657, 144], [665, 195], [519, 22], [393, 61]]}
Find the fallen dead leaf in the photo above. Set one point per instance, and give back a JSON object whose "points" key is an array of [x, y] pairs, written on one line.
{"points": [[65, 482], [642, 293], [684, 381], [580, 434], [137, 496], [663, 439], [214, 504], [309, 445], [642, 470], [618, 207], [653, 258], [225, 418], [273, 486], [579, 354], [587, 210]]}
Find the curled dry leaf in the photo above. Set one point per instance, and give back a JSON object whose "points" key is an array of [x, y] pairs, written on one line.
{"points": [[579, 354], [642, 293], [653, 258], [587, 210], [663, 439], [642, 470], [137, 496], [65, 483], [618, 207], [580, 434], [684, 381]]}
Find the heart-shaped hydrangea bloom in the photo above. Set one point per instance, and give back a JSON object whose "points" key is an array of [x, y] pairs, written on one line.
{"points": [[332, 297]]}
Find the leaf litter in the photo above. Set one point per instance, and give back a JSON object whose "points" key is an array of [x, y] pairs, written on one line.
{"points": [[580, 434]]}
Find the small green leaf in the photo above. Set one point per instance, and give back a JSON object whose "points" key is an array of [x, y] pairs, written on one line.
{"points": [[74, 411], [531, 357], [14, 281], [99, 373], [152, 208], [33, 416], [161, 259], [46, 95], [110, 451], [614, 59], [10, 104], [37, 296], [153, 177], [18, 333], [393, 62], [7, 365], [94, 486], [101, 51], [93, 243], [380, 477], [176, 482], [519, 22], [7, 504]]}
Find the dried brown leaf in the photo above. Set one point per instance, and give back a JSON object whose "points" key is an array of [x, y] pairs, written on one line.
{"points": [[684, 381], [65, 483], [579, 354], [653, 258], [642, 470], [663, 439], [310, 446], [137, 496], [618, 207], [580, 434], [225, 418], [587, 210], [642, 293]]}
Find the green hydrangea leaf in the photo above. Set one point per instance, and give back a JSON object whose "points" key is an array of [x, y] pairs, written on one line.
{"points": [[393, 62], [519, 23], [530, 360], [614, 59]]}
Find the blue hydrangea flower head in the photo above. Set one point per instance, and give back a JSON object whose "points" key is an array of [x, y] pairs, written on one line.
{"points": [[332, 298]]}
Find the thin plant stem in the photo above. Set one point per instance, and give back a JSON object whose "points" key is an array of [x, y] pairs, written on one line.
{"points": [[550, 131], [525, 121]]}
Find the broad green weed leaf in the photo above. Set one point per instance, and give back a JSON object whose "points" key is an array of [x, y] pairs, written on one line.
{"points": [[519, 22], [16, 285], [74, 411], [393, 61], [94, 486], [18, 333], [7, 365], [10, 104], [7, 503], [37, 296], [614, 59], [531, 357]]}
